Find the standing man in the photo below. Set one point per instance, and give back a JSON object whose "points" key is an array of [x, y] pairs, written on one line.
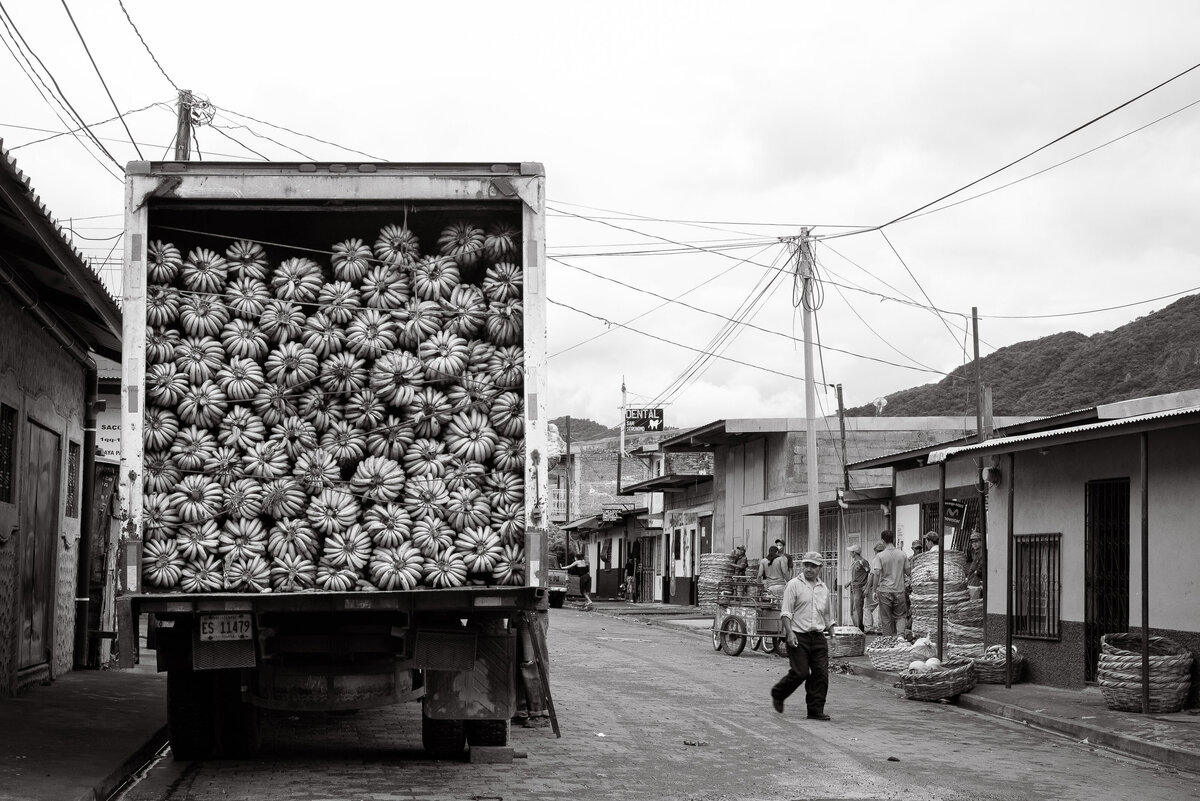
{"points": [[976, 566], [740, 563], [871, 604], [888, 574], [807, 618], [860, 571]]}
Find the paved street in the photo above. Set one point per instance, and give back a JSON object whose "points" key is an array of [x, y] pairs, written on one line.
{"points": [[650, 712]]}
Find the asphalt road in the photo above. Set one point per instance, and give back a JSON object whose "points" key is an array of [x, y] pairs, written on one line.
{"points": [[650, 712]]}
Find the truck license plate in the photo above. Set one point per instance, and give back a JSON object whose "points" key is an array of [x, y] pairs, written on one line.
{"points": [[225, 627]]}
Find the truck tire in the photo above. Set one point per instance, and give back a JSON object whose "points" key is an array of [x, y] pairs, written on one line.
{"points": [[487, 732], [189, 714], [237, 720], [443, 739], [556, 600]]}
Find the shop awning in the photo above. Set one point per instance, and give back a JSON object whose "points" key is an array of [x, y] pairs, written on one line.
{"points": [[796, 504], [673, 482], [591, 521]]}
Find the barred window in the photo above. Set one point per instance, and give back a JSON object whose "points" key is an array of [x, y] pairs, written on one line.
{"points": [[73, 451], [8, 451], [1037, 586]]}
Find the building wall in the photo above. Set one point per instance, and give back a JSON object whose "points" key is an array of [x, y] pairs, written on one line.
{"points": [[40, 381]]}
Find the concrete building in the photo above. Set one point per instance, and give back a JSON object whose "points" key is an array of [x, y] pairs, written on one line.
{"points": [[54, 315], [1090, 527]]}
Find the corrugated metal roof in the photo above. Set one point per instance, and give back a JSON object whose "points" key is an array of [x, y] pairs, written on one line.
{"points": [[1071, 433]]}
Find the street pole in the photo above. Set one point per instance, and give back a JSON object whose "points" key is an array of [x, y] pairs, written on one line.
{"points": [[183, 126], [621, 444], [570, 472], [804, 268], [983, 491], [842, 426]]}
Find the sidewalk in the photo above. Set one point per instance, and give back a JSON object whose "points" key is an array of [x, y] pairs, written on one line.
{"points": [[79, 737], [1169, 739]]}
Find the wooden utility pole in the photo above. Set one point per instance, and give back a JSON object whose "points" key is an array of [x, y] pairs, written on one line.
{"points": [[804, 269], [570, 475], [842, 426], [183, 126], [621, 443]]}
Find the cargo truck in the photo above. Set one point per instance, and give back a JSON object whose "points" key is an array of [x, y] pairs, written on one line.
{"points": [[333, 421]]}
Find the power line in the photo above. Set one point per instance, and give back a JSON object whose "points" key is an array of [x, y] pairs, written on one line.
{"points": [[1028, 155], [932, 305], [103, 83], [56, 135], [253, 132], [236, 142], [306, 136], [121, 3]]}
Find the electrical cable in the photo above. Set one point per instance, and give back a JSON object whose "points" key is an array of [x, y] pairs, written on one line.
{"points": [[99, 75], [1028, 155], [121, 3], [58, 93], [56, 135], [649, 311], [306, 136], [699, 223], [925, 294], [236, 142], [253, 132]]}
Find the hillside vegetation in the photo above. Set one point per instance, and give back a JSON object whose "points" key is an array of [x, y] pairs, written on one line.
{"points": [[1152, 355]]}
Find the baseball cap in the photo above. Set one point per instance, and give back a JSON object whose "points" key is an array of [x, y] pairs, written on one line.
{"points": [[975, 535], [933, 536], [812, 558], [879, 546]]}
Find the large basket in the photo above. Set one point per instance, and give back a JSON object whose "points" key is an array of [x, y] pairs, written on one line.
{"points": [[1119, 673], [848, 644], [925, 568], [954, 677], [989, 668], [890, 653]]}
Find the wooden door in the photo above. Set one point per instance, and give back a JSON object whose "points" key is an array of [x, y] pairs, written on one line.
{"points": [[38, 537]]}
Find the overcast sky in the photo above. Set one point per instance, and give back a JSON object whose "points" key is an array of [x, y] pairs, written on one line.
{"points": [[696, 136]]}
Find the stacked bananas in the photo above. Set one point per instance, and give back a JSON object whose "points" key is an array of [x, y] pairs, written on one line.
{"points": [[351, 421]]}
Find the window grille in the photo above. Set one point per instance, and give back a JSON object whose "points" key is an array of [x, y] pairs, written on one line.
{"points": [[8, 439], [73, 451], [1037, 586]]}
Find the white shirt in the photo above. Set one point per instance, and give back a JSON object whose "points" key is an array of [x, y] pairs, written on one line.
{"points": [[806, 606]]}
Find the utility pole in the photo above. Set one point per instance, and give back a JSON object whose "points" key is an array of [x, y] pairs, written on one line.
{"points": [[978, 373], [183, 126], [842, 426], [804, 269], [621, 445], [570, 475]]}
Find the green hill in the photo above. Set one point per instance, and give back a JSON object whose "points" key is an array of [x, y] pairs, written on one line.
{"points": [[583, 429], [1152, 355]]}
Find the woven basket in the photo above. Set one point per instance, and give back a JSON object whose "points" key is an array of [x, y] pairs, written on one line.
{"points": [[925, 569], [954, 677], [989, 668], [971, 650], [890, 653], [1119, 673], [842, 645]]}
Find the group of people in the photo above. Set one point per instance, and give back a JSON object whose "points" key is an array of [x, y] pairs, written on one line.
{"points": [[774, 569], [807, 615]]}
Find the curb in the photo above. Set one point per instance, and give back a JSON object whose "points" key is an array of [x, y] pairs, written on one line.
{"points": [[1131, 746], [106, 787]]}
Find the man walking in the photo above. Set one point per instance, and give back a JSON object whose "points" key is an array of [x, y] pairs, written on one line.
{"points": [[888, 574], [807, 618], [860, 571]]}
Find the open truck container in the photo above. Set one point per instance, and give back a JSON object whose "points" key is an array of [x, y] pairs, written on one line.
{"points": [[231, 654]]}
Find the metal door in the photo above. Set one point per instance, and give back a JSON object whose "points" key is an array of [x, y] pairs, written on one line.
{"points": [[38, 537], [1106, 573]]}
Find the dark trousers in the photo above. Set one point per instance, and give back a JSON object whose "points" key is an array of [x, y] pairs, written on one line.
{"points": [[809, 661]]}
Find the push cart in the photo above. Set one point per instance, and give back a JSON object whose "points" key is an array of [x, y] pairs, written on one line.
{"points": [[745, 613]]}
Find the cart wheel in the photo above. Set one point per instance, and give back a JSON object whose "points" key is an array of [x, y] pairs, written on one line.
{"points": [[716, 633], [733, 636], [769, 644], [756, 643]]}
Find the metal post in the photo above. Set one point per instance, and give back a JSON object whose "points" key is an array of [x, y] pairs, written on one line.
{"points": [[1008, 604], [1145, 459], [570, 471], [621, 445], [842, 426], [978, 373], [941, 529], [983, 492]]}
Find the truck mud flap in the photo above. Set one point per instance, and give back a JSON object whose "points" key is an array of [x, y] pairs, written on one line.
{"points": [[486, 690]]}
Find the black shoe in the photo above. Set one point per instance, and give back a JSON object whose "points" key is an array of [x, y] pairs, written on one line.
{"points": [[777, 703], [818, 716]]}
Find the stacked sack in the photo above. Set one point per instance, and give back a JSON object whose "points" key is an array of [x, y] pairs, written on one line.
{"points": [[962, 616], [715, 571]]}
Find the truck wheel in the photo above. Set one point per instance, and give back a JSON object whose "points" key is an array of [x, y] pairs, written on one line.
{"points": [[443, 739], [189, 714], [487, 732], [556, 599], [237, 720]]}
